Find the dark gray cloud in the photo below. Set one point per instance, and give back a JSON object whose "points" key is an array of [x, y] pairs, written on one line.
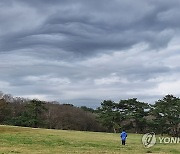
{"points": [[85, 51], [87, 27]]}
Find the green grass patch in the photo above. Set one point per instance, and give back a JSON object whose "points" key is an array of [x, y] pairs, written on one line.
{"points": [[46, 141]]}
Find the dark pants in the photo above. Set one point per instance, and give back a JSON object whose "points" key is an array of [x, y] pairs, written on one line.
{"points": [[123, 142]]}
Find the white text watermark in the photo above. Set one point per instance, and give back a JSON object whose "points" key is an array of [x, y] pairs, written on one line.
{"points": [[150, 139]]}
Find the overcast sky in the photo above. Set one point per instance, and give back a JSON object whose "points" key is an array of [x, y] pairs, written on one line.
{"points": [[85, 51]]}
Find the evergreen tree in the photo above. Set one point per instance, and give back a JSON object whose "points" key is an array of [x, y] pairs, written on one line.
{"points": [[167, 115]]}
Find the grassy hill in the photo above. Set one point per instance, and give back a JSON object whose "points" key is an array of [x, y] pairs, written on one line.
{"points": [[46, 141]]}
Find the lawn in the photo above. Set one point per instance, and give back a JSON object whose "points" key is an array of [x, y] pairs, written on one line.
{"points": [[45, 141]]}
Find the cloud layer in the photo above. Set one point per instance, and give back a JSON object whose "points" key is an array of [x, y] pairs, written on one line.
{"points": [[85, 51]]}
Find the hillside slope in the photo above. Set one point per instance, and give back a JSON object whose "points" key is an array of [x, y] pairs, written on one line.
{"points": [[30, 140]]}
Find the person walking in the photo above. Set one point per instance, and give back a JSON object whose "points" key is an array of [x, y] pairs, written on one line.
{"points": [[123, 136]]}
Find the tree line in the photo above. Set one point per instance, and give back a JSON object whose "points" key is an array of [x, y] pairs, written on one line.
{"points": [[52, 115], [162, 117]]}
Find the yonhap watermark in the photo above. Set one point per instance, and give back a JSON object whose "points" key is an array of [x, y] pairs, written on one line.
{"points": [[150, 139], [168, 140]]}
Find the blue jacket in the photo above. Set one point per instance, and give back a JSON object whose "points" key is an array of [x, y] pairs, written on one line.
{"points": [[123, 135]]}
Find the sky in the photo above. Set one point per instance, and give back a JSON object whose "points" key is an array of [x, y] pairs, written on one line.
{"points": [[85, 51]]}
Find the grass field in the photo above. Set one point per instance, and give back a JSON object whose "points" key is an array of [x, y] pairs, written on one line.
{"points": [[28, 141]]}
